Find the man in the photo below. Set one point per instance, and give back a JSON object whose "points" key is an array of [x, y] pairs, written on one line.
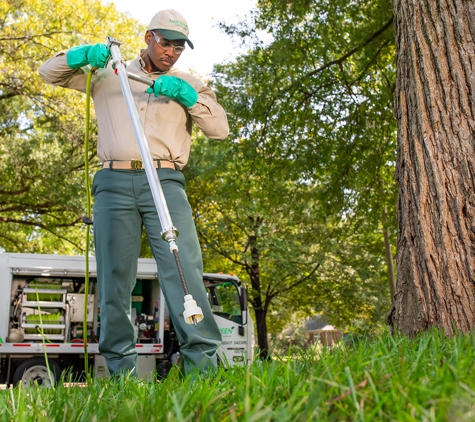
{"points": [[122, 198]]}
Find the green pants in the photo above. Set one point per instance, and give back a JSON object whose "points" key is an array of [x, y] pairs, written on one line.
{"points": [[123, 203]]}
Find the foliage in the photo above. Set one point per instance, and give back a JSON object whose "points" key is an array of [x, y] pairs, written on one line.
{"points": [[262, 233], [392, 378], [42, 197], [292, 337], [295, 196]]}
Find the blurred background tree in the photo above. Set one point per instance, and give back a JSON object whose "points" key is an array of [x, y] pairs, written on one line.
{"points": [[300, 198], [42, 195]]}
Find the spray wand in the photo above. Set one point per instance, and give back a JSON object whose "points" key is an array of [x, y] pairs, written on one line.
{"points": [[193, 313]]}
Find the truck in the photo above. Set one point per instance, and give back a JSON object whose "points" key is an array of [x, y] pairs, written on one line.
{"points": [[46, 304]]}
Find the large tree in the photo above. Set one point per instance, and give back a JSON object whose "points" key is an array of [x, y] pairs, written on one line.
{"points": [[300, 187], [435, 110], [261, 223]]}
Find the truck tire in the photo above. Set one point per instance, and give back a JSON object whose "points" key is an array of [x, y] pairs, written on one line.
{"points": [[34, 371], [163, 368]]}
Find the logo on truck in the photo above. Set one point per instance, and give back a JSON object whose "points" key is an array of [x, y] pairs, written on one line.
{"points": [[226, 331]]}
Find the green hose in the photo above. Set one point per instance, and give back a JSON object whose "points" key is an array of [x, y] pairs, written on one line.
{"points": [[88, 215]]}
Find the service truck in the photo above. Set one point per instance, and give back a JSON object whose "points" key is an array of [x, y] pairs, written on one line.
{"points": [[43, 310]]}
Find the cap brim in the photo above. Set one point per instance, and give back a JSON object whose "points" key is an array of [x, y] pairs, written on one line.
{"points": [[174, 35]]}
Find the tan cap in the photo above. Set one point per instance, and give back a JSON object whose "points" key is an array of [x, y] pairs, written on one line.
{"points": [[171, 25]]}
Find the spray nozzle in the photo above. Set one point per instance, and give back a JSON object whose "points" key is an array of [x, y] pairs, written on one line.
{"points": [[193, 313]]}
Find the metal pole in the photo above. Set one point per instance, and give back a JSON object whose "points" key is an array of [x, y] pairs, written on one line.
{"points": [[169, 233]]}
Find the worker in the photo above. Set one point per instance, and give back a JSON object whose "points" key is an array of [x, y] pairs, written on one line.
{"points": [[123, 202]]}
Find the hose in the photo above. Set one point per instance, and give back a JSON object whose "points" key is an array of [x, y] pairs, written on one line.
{"points": [[87, 219]]}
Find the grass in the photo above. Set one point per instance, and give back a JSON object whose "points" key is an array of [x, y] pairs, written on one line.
{"points": [[392, 378]]}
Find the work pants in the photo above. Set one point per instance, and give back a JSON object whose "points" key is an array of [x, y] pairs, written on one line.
{"points": [[123, 203]]}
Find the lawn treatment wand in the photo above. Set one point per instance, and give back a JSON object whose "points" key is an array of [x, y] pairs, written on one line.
{"points": [[193, 313]]}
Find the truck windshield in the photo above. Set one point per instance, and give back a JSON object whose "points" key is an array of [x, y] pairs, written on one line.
{"points": [[224, 301]]}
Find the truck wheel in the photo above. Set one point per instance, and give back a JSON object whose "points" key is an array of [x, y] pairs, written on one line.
{"points": [[34, 371], [163, 368]]}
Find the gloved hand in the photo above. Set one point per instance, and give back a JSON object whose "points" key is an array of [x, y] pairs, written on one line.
{"points": [[174, 88], [97, 55]]}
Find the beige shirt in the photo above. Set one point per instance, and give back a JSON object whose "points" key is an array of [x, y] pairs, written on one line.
{"points": [[167, 123]]}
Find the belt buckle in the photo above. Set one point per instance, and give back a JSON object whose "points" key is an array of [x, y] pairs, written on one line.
{"points": [[136, 165]]}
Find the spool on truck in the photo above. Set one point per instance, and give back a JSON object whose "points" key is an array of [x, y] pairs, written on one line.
{"points": [[42, 313]]}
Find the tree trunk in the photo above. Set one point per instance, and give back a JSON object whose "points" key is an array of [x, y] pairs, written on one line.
{"points": [[435, 170], [260, 306], [261, 328], [260, 313]]}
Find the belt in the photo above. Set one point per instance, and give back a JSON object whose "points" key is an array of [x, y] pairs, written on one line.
{"points": [[136, 165]]}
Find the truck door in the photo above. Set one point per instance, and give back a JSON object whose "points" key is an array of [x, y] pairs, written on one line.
{"points": [[231, 313]]}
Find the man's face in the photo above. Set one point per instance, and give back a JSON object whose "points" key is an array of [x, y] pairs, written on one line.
{"points": [[162, 53]]}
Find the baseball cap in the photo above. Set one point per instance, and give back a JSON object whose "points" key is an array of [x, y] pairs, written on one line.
{"points": [[172, 25]]}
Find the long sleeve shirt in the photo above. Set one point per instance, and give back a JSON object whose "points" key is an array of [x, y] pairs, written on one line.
{"points": [[167, 123]]}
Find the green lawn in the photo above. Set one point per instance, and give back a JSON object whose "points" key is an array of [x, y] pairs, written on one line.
{"points": [[430, 378]]}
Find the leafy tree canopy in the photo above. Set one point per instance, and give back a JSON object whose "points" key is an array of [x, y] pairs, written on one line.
{"points": [[300, 186], [42, 196]]}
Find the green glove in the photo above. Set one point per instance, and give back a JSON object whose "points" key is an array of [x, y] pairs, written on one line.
{"points": [[97, 55], [174, 88]]}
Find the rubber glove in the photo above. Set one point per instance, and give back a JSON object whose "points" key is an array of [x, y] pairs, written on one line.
{"points": [[174, 88], [97, 55]]}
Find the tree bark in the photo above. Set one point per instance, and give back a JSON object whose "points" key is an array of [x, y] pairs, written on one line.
{"points": [[389, 256], [261, 328], [435, 170]]}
